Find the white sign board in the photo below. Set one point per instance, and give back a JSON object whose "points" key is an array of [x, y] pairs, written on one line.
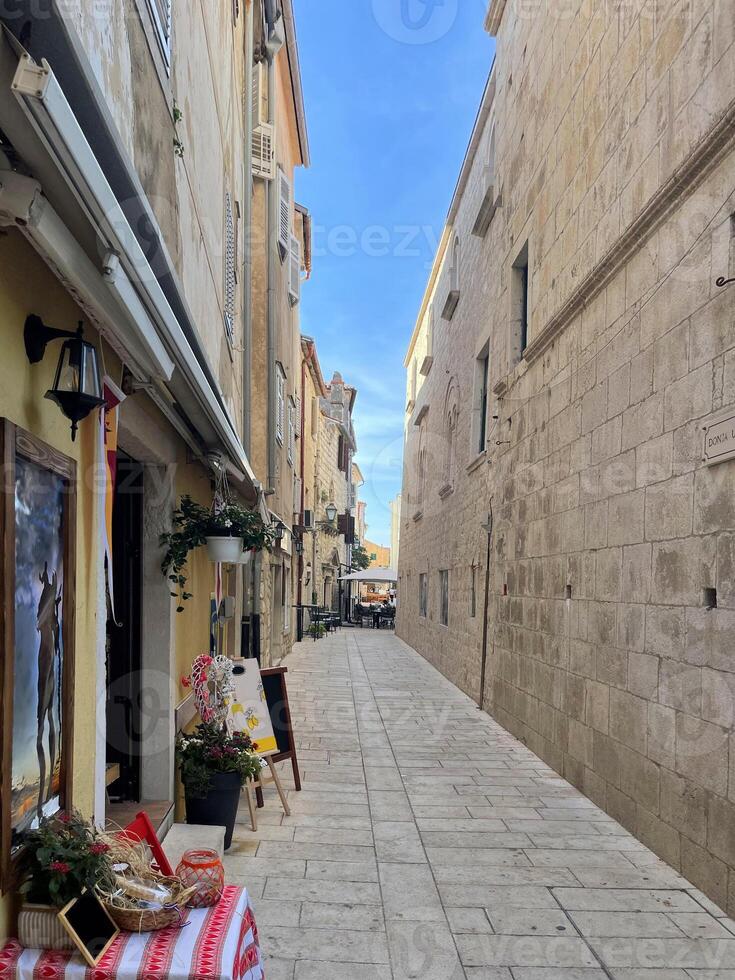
{"points": [[719, 440], [249, 709]]}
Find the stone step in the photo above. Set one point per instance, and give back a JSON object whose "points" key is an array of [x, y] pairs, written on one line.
{"points": [[186, 837]]}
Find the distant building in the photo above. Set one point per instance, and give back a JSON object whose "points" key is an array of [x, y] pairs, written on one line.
{"points": [[395, 530], [378, 554]]}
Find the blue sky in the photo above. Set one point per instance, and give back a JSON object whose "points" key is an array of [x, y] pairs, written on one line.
{"points": [[391, 88]]}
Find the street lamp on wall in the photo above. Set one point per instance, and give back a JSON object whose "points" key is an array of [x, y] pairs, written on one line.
{"points": [[77, 387], [331, 511]]}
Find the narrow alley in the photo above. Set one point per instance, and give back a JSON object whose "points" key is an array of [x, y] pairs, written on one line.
{"points": [[428, 842]]}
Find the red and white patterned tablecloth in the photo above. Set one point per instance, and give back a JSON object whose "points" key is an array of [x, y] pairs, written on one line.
{"points": [[220, 943]]}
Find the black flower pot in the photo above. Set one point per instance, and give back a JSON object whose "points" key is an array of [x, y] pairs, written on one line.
{"points": [[219, 807]]}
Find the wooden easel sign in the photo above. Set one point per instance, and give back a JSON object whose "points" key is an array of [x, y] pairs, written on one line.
{"points": [[248, 711]]}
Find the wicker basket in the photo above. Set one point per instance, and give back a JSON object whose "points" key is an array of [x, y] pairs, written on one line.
{"points": [[151, 920]]}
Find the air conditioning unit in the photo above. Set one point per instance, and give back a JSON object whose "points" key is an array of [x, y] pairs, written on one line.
{"points": [[308, 524], [264, 152]]}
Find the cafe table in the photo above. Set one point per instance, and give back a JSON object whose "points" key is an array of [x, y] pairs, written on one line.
{"points": [[219, 943]]}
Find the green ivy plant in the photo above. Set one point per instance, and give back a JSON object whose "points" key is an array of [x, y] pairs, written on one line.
{"points": [[193, 524]]}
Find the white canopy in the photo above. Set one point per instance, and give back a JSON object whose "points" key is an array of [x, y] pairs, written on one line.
{"points": [[372, 575]]}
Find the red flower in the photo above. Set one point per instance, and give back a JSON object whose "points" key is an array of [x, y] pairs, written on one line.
{"points": [[185, 681], [63, 817], [206, 659], [99, 848], [60, 866]]}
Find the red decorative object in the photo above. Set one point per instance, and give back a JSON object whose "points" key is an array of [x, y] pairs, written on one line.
{"points": [[202, 868], [141, 829]]}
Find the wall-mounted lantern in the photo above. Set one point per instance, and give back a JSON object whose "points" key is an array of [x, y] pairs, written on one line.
{"points": [[279, 530], [77, 387], [331, 511]]}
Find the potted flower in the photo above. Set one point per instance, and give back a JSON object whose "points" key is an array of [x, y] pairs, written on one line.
{"points": [[214, 766], [228, 530], [60, 859]]}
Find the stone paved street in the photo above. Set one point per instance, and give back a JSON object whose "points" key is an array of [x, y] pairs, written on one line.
{"points": [[429, 843]]}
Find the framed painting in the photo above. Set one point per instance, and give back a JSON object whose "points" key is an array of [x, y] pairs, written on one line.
{"points": [[37, 582]]}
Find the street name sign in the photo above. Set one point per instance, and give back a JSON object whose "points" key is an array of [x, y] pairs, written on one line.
{"points": [[719, 439]]}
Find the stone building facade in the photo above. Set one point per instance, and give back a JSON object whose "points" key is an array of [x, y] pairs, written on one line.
{"points": [[280, 247], [571, 347], [334, 488]]}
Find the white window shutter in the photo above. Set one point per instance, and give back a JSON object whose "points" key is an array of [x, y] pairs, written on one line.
{"points": [[291, 430], [264, 157], [160, 11], [298, 417], [284, 213], [294, 271], [230, 276], [260, 95], [281, 404]]}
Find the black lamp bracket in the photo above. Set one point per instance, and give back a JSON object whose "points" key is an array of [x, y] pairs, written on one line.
{"points": [[36, 335]]}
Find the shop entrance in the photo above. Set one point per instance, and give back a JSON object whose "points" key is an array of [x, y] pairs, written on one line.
{"points": [[124, 731]]}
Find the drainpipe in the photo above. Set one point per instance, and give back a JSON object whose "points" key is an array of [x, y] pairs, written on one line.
{"points": [[247, 319], [273, 46], [488, 528]]}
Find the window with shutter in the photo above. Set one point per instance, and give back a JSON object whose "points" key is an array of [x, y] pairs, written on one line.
{"points": [[298, 417], [230, 274], [281, 407], [291, 431], [260, 94], [285, 223], [294, 271], [160, 11]]}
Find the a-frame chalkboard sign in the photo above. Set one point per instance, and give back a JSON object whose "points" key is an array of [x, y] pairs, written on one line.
{"points": [[276, 695]]}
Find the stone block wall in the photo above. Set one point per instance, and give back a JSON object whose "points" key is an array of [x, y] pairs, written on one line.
{"points": [[614, 139]]}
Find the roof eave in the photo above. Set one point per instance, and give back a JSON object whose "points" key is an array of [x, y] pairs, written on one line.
{"points": [[292, 50]]}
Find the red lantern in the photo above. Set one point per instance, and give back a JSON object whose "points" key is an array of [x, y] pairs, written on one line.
{"points": [[202, 868]]}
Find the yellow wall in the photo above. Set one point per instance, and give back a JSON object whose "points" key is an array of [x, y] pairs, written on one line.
{"points": [[382, 554], [27, 286]]}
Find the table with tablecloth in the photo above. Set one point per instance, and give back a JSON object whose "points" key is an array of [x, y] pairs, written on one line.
{"points": [[219, 943]]}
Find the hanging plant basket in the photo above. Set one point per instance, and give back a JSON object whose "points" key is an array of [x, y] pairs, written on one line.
{"points": [[228, 530], [224, 549]]}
